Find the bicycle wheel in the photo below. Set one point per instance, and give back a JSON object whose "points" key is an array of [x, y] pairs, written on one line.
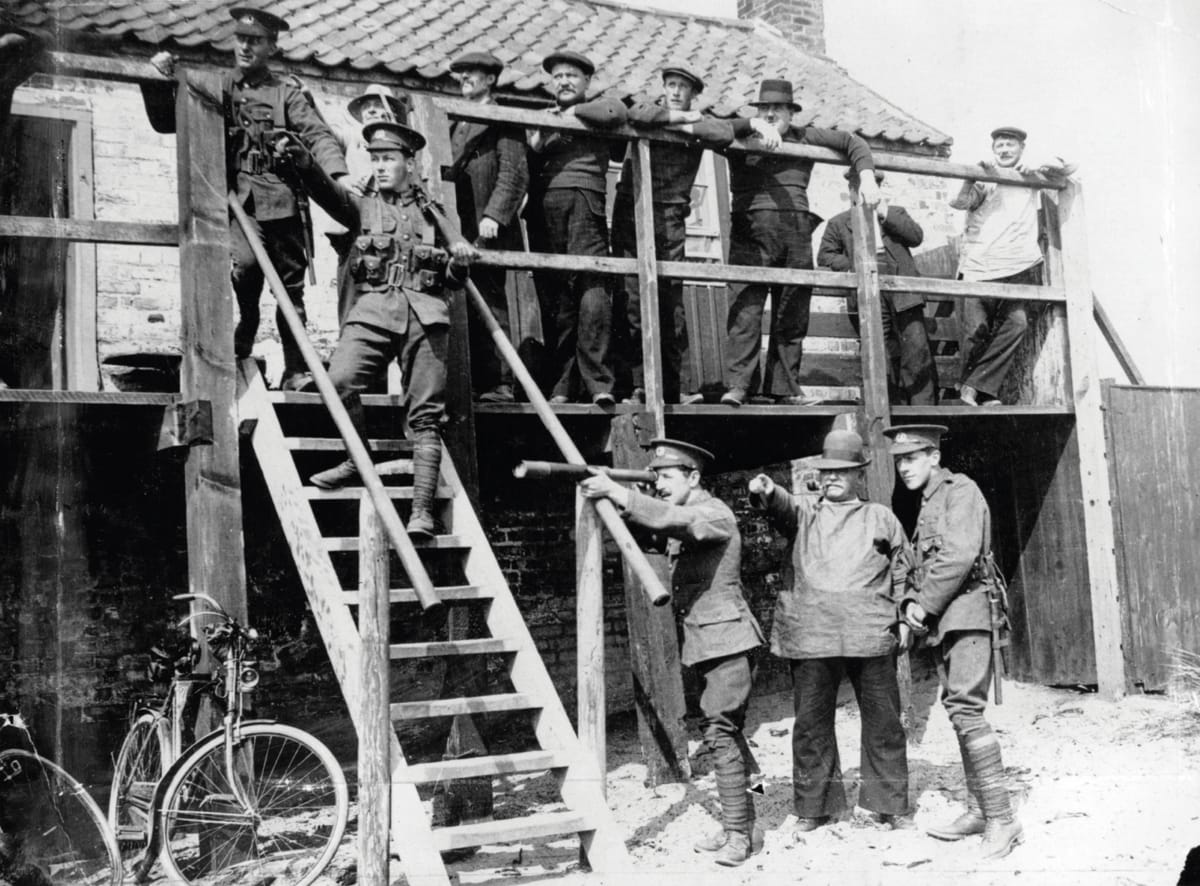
{"points": [[52, 828], [141, 763], [288, 832]]}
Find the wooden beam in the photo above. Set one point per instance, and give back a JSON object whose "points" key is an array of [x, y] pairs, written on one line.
{"points": [[589, 633], [1109, 331], [79, 331], [130, 70], [83, 230], [643, 220], [374, 723], [1093, 451]]}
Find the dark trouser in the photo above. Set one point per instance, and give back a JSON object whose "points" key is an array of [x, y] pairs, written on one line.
{"points": [[912, 373], [723, 701], [284, 242], [770, 239], [670, 240], [994, 329], [816, 768], [362, 355], [580, 307], [488, 368]]}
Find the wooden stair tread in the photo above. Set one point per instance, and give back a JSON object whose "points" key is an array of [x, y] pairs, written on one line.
{"points": [[448, 594], [295, 398], [335, 444], [467, 704], [545, 824], [438, 542], [453, 647], [479, 767], [354, 493]]}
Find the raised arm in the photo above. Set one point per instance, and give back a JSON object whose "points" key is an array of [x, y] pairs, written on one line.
{"points": [[303, 118]]}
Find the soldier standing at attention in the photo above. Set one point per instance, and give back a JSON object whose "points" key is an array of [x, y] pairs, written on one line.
{"points": [[259, 107], [572, 184], [401, 310], [490, 177], [949, 598], [701, 538], [673, 170]]}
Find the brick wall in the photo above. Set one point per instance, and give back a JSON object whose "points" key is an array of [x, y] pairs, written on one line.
{"points": [[801, 21]]}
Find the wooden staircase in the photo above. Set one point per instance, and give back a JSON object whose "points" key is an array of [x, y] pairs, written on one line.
{"points": [[466, 573]]}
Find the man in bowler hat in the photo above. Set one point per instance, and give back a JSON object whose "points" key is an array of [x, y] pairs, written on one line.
{"points": [[700, 535]]}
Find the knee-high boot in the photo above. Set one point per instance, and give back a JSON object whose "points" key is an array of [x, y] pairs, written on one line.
{"points": [[1001, 830], [970, 822], [427, 461]]}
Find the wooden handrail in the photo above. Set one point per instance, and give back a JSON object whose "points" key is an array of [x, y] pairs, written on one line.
{"points": [[1109, 331], [355, 447], [86, 230]]}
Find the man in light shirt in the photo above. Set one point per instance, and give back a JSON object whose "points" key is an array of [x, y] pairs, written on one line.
{"points": [[1000, 245]]}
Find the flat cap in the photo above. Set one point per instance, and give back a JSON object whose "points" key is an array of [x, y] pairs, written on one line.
{"points": [[840, 449], [384, 135], [397, 104], [567, 56], [914, 438], [483, 60], [684, 71], [254, 22], [677, 454], [1009, 132]]}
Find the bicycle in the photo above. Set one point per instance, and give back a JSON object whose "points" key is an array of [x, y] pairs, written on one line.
{"points": [[253, 801], [52, 833]]}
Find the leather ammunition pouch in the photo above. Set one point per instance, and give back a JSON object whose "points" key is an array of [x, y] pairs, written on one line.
{"points": [[379, 261]]}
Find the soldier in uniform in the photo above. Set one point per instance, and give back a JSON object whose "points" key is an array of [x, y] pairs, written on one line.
{"points": [[490, 177], [948, 598], [571, 184], [401, 310], [259, 106], [672, 171], [772, 228], [847, 567], [704, 546]]}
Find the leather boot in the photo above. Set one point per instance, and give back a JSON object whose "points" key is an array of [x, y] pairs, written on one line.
{"points": [[735, 851], [336, 477], [971, 821], [714, 842], [427, 461], [1001, 830]]}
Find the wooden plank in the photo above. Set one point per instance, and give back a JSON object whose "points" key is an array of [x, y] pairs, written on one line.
{"points": [[1109, 331], [344, 543], [467, 704], [1093, 453], [315, 493], [295, 398], [334, 444], [643, 220], [589, 632], [104, 67], [374, 724], [435, 648], [822, 324], [481, 767], [84, 230], [80, 333], [448, 594], [95, 398], [545, 824]]}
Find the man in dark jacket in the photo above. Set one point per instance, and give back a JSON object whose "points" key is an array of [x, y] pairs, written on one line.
{"points": [[673, 170], [912, 374], [953, 575], [572, 184], [258, 105], [490, 177], [702, 541], [772, 228]]}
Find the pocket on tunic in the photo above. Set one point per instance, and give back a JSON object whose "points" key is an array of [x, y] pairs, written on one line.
{"points": [[714, 612], [931, 543]]}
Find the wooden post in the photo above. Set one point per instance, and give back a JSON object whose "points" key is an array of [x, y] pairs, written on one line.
{"points": [[589, 631], [216, 561], [1093, 452], [653, 646], [643, 222], [374, 727], [875, 413]]}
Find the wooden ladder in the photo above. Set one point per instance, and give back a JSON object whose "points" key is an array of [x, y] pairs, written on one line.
{"points": [[418, 843]]}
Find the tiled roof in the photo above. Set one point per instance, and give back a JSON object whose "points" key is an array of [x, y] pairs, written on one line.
{"points": [[420, 37]]}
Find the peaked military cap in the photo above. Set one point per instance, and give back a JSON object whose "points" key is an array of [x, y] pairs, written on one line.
{"points": [[776, 92], [841, 449], [253, 22], [384, 135], [397, 104], [566, 56], [684, 71], [1009, 132], [914, 438], [677, 454], [482, 60]]}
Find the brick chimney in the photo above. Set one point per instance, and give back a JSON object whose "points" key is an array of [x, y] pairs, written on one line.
{"points": [[801, 21]]}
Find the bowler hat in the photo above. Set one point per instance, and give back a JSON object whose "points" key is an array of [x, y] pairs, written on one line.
{"points": [[253, 22], [684, 71], [384, 135], [398, 104], [1009, 132], [914, 438], [776, 92], [482, 60], [841, 449], [677, 454], [566, 56]]}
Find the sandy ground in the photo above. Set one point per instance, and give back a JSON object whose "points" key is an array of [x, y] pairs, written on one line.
{"points": [[1108, 793]]}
